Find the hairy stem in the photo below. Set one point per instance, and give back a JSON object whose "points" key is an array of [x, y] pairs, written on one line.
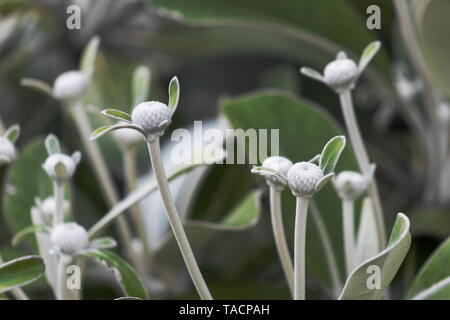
{"points": [[348, 226], [363, 160], [301, 213], [175, 221], [58, 194], [280, 237]]}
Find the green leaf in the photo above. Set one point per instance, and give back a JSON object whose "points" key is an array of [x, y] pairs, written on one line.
{"points": [[97, 133], [38, 85], [103, 243], [312, 74], [18, 237], [126, 276], [322, 182], [367, 242], [20, 272], [299, 140], [331, 153], [269, 172], [387, 262], [369, 52], [244, 216], [140, 85], [52, 144], [117, 114], [87, 62], [433, 280], [13, 132], [174, 94]]}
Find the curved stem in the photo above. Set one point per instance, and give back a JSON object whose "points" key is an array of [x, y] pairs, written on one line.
{"points": [[363, 160], [301, 213], [175, 221], [280, 237], [349, 234]]}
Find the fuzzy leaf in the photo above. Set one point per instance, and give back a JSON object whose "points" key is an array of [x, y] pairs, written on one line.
{"points": [[314, 74], [322, 182], [369, 52], [125, 275], [331, 153], [20, 272], [140, 85], [38, 85], [103, 243], [269, 172], [174, 94], [52, 144], [117, 114], [89, 55]]}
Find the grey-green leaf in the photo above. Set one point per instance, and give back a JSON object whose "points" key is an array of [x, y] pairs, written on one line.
{"points": [[369, 52], [103, 243], [314, 74], [38, 85], [52, 144], [117, 114], [370, 279], [89, 54], [174, 94], [331, 153], [20, 272], [433, 280], [140, 86], [13, 132], [367, 242], [126, 276]]}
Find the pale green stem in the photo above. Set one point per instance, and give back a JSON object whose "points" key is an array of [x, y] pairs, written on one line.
{"points": [[102, 174], [58, 194], [348, 226], [299, 248], [280, 237], [175, 221], [363, 160], [61, 287], [18, 293]]}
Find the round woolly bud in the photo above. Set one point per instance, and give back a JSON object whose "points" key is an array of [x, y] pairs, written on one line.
{"points": [[127, 136], [152, 116], [277, 163], [350, 184], [70, 85], [303, 177], [60, 166], [48, 208], [341, 74], [7, 150], [69, 238]]}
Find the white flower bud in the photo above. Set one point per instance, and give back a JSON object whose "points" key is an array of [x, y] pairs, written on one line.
{"points": [[61, 167], [280, 164], [69, 238], [350, 184], [47, 208], [303, 178], [341, 74], [70, 85], [152, 116], [127, 136], [7, 151]]}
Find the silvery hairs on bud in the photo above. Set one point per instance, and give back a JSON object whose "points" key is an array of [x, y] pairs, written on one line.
{"points": [[70, 85], [61, 167], [69, 238], [152, 116], [303, 178], [279, 164]]}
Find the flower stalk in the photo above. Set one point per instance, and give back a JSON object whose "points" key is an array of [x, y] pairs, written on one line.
{"points": [[348, 226], [301, 213]]}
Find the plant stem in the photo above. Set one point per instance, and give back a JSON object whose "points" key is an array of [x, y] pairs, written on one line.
{"points": [[58, 194], [349, 233], [363, 160], [101, 171], [175, 221], [18, 293], [280, 237], [61, 288], [299, 248]]}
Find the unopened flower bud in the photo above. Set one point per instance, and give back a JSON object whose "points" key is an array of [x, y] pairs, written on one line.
{"points": [[350, 184], [48, 208], [341, 74], [127, 136], [61, 167], [303, 178], [69, 238], [7, 150], [70, 85], [280, 164], [152, 116]]}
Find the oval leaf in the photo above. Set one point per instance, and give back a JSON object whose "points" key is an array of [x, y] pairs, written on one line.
{"points": [[369, 52], [103, 243], [89, 54], [331, 153], [13, 132], [359, 285], [140, 85], [174, 94], [126, 276], [20, 272], [117, 114], [52, 144]]}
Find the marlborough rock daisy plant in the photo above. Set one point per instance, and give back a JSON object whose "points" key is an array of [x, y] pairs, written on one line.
{"points": [[304, 179]]}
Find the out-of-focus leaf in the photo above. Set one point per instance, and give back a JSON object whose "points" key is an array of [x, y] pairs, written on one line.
{"points": [[361, 284], [87, 62], [369, 52], [299, 140], [331, 153], [124, 273], [32, 229], [140, 86], [13, 132], [117, 114], [174, 94], [52, 144], [433, 280], [37, 85], [20, 272], [103, 243], [367, 237]]}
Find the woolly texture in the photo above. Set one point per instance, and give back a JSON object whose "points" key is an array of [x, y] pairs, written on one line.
{"points": [[350, 184], [48, 208], [7, 150], [150, 117], [127, 136], [69, 238], [58, 161], [277, 163], [70, 85], [303, 177], [341, 74]]}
